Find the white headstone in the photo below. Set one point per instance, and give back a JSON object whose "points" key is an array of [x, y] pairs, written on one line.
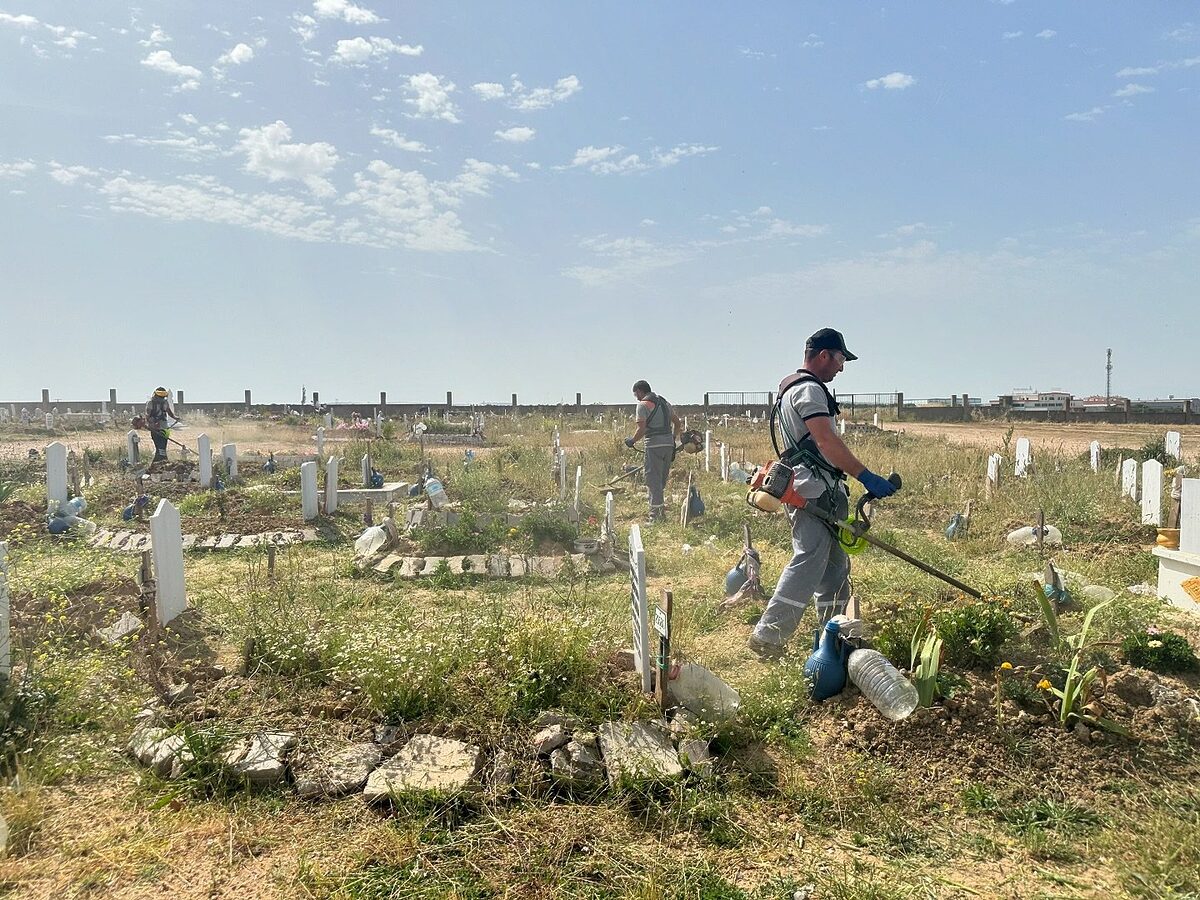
{"points": [[1095, 455], [5, 644], [328, 420], [841, 426], [229, 454], [1129, 473], [1152, 475], [1189, 516], [331, 485], [993, 469], [104, 407], [1173, 445], [308, 490], [366, 471], [707, 449], [56, 474], [578, 486], [204, 451], [166, 537], [131, 448], [1024, 457], [562, 474], [49, 421], [320, 439], [724, 463], [608, 528], [875, 419], [637, 602]]}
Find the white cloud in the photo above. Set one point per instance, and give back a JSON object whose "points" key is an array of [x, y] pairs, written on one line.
{"points": [[358, 51], [1134, 71], [488, 90], [270, 155], [1046, 33], [23, 20], [533, 165], [240, 54], [1132, 90], [431, 98], [610, 161], [176, 142], [18, 169], [60, 36], [895, 81], [754, 54], [520, 97], [517, 135], [812, 42], [399, 141], [304, 27], [344, 10], [163, 61], [647, 223], [69, 174], [407, 209], [156, 36], [1089, 115], [1186, 32], [1010, 35]]}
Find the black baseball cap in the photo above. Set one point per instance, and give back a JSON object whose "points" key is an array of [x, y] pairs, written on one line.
{"points": [[828, 339]]}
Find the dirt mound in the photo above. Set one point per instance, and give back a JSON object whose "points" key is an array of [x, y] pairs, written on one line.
{"points": [[17, 515]]}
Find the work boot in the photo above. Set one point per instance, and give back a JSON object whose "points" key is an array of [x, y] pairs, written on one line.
{"points": [[765, 651]]}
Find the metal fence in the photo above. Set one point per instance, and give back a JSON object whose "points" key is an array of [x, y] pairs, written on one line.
{"points": [[738, 398], [865, 401]]}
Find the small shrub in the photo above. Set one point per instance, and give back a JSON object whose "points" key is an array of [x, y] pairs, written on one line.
{"points": [[974, 631], [1158, 651]]}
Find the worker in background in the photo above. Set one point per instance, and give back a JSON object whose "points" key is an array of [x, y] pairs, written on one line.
{"points": [[661, 426], [158, 411], [821, 460]]}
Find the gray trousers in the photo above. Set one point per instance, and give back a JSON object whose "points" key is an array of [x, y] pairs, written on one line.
{"points": [[658, 467], [819, 567]]}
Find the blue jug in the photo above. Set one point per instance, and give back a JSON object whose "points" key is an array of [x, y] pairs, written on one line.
{"points": [[825, 669]]}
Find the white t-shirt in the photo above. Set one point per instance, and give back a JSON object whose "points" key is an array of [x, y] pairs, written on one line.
{"points": [[803, 402]]}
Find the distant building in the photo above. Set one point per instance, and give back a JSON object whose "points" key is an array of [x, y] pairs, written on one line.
{"points": [[1040, 400]]}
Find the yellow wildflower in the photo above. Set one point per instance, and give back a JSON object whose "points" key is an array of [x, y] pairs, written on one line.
{"points": [[1044, 685], [1007, 666]]}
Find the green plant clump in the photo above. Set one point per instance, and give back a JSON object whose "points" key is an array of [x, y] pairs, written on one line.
{"points": [[974, 631], [1159, 651]]}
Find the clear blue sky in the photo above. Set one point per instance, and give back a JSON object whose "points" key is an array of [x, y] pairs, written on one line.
{"points": [[558, 197]]}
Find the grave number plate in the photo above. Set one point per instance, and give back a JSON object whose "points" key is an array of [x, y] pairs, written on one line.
{"points": [[660, 621]]}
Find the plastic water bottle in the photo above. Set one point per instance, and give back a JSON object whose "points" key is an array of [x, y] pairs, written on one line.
{"points": [[437, 493], [889, 692]]}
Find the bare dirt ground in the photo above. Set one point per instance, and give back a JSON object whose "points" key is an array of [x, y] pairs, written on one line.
{"points": [[1075, 438]]}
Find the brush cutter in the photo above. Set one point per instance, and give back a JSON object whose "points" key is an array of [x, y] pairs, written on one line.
{"points": [[771, 488], [139, 423]]}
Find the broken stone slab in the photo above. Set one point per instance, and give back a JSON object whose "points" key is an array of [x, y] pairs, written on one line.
{"points": [[696, 757], [247, 540], [162, 759], [577, 766], [143, 741], [227, 541], [426, 764], [638, 752], [101, 538], [549, 717], [120, 540], [411, 566], [126, 626], [259, 759], [518, 566], [138, 544], [337, 774], [455, 564], [475, 564], [208, 543], [546, 566], [497, 565], [385, 565], [189, 541], [180, 693], [550, 739], [432, 564]]}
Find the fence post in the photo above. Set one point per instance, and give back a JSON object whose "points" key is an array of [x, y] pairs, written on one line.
{"points": [[1187, 411], [383, 401], [247, 400], [1128, 410], [449, 399], [899, 404], [966, 407], [514, 401], [578, 399], [706, 401]]}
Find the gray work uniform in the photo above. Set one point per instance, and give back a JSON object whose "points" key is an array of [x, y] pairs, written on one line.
{"points": [[819, 565], [655, 413]]}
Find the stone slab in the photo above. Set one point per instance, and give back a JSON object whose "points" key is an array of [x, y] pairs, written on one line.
{"points": [[386, 564], [638, 752], [426, 764], [337, 774], [411, 566], [456, 564], [247, 540], [260, 759], [227, 541], [518, 566], [432, 564], [497, 565], [475, 564]]}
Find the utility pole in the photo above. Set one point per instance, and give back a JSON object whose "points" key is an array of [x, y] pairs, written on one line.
{"points": [[1108, 382]]}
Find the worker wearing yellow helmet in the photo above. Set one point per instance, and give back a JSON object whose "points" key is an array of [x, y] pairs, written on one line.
{"points": [[158, 411]]}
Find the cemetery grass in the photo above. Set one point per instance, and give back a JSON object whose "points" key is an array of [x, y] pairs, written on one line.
{"points": [[800, 799]]}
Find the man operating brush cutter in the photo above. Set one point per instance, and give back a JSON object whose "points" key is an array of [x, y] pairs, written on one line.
{"points": [[157, 419], [809, 479]]}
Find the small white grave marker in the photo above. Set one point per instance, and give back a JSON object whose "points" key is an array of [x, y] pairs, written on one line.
{"points": [[49, 421], [166, 538], [562, 474], [608, 529], [875, 419], [1173, 445], [329, 420], [366, 470], [131, 448], [331, 485], [637, 601], [1152, 475], [578, 486], [842, 427], [1095, 456], [1189, 516], [1129, 473], [724, 462], [707, 448], [204, 449], [320, 439], [993, 471], [229, 454], [1024, 457], [5, 644], [308, 490], [56, 475]]}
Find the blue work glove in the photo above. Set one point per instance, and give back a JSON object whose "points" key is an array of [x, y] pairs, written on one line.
{"points": [[629, 442], [876, 485]]}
